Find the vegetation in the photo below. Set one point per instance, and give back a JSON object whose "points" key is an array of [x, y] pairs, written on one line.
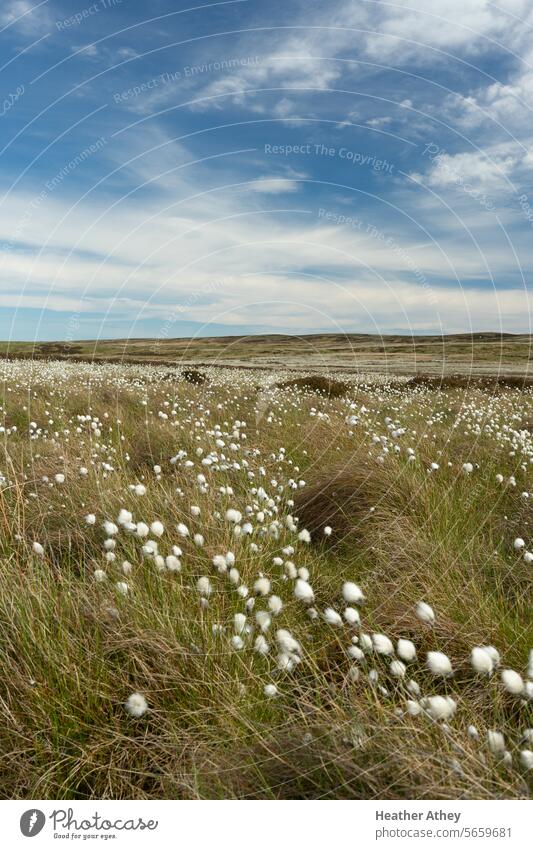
{"points": [[199, 583]]}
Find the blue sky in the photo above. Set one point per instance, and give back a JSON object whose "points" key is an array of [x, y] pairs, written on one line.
{"points": [[245, 167]]}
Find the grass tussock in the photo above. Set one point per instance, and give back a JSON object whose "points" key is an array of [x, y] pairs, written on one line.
{"points": [[316, 383], [197, 378]]}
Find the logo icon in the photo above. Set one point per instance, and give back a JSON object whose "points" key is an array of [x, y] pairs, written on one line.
{"points": [[32, 822]]}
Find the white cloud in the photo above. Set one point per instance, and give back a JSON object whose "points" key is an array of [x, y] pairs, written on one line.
{"points": [[30, 18], [273, 185]]}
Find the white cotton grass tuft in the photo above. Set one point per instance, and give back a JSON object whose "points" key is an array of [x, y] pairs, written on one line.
{"points": [[406, 650], [263, 620], [286, 642], [494, 654], [526, 759], [481, 660], [304, 535], [439, 707], [352, 593], [382, 644], [275, 604], [332, 617], [496, 742], [219, 562], [260, 645], [233, 516], [239, 623], [38, 549], [365, 641], [90, 519], [270, 690], [172, 563], [136, 705], [262, 586], [425, 613], [439, 663], [124, 516], [303, 591], [355, 653], [203, 585], [512, 681], [157, 528], [351, 616], [397, 668]]}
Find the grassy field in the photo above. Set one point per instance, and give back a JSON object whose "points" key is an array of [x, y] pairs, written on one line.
{"points": [[481, 353], [205, 575]]}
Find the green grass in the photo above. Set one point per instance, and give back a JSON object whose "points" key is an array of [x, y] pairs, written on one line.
{"points": [[73, 649]]}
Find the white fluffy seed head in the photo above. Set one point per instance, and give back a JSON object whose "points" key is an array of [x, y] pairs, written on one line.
{"points": [[397, 668], [262, 617], [136, 705], [332, 617], [351, 616], [260, 645], [526, 759], [512, 682], [219, 562], [425, 613], [481, 661], [239, 623], [382, 644], [286, 641], [406, 650], [157, 528], [352, 593], [496, 742], [439, 663], [262, 586], [203, 585], [439, 707], [275, 604], [303, 591]]}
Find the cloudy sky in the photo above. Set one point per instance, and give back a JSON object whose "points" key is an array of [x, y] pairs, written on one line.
{"points": [[172, 169]]}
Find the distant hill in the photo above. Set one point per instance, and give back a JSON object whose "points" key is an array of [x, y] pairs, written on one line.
{"points": [[483, 353]]}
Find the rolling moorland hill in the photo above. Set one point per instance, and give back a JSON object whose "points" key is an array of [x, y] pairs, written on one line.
{"points": [[479, 353]]}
